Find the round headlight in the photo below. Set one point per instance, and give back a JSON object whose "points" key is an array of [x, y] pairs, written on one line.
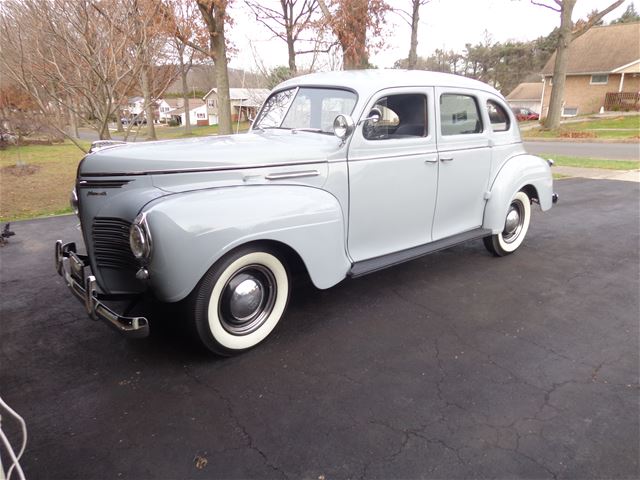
{"points": [[343, 126], [138, 242], [73, 201]]}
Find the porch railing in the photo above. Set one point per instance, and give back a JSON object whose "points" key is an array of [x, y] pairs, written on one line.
{"points": [[622, 101]]}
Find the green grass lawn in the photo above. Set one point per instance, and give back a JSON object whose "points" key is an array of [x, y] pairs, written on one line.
{"points": [[41, 186], [621, 127], [565, 161]]}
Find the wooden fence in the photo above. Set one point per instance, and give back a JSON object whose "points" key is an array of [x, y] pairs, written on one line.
{"points": [[622, 102]]}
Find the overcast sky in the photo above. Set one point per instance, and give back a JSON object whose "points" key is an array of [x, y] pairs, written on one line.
{"points": [[444, 24]]}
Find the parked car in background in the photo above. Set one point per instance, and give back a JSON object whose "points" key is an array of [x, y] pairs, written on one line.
{"points": [[524, 114], [342, 174]]}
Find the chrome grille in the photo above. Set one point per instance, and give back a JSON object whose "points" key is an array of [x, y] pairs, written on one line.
{"points": [[103, 183], [111, 243]]}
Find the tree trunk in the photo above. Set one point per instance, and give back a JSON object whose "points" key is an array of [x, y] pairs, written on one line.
{"points": [[552, 121], [354, 48], [413, 49], [292, 51], [119, 127], [148, 103], [218, 47], [73, 123], [185, 101]]}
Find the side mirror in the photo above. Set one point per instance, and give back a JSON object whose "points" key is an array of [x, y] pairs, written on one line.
{"points": [[343, 126], [375, 115]]}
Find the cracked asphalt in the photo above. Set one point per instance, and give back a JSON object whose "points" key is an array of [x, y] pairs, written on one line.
{"points": [[456, 365]]}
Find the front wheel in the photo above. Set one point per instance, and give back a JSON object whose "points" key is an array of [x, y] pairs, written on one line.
{"points": [[240, 300], [516, 225]]}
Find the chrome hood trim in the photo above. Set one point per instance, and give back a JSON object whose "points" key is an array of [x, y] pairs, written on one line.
{"points": [[205, 154]]}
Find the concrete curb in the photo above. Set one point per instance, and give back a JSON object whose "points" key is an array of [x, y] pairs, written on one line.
{"points": [[599, 173]]}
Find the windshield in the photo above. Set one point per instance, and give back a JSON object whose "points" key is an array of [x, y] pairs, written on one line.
{"points": [[305, 108]]}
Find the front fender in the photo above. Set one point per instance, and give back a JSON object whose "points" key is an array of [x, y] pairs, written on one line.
{"points": [[191, 231], [515, 174]]}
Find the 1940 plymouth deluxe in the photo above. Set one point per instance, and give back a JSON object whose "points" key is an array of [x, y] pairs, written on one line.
{"points": [[341, 174]]}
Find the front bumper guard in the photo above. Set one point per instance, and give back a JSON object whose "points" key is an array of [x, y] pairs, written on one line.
{"points": [[71, 266]]}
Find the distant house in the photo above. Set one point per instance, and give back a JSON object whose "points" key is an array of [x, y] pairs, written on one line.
{"points": [[603, 71], [135, 105], [526, 95], [166, 105], [245, 103], [198, 114]]}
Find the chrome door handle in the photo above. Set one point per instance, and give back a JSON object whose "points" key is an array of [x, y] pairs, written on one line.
{"points": [[448, 159]]}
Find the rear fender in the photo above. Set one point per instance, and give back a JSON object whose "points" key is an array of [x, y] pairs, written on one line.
{"points": [[193, 230], [517, 173]]}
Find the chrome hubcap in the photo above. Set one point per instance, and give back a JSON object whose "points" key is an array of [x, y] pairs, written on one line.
{"points": [[514, 221], [247, 299]]}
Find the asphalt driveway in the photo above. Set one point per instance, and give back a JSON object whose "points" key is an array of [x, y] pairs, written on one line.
{"points": [[456, 365]]}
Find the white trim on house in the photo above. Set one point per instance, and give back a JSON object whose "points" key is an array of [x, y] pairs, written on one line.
{"points": [[623, 67], [565, 114]]}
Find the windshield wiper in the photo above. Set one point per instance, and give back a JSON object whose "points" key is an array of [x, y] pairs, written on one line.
{"points": [[303, 129]]}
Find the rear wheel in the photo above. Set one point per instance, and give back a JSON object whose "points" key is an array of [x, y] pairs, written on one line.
{"points": [[516, 225], [240, 300]]}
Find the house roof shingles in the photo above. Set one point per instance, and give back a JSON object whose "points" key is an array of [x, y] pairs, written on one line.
{"points": [[601, 50], [526, 91]]}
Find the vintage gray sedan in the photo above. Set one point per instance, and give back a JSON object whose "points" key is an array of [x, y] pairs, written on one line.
{"points": [[341, 174]]}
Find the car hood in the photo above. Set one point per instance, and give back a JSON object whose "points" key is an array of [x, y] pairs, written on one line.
{"points": [[254, 149]]}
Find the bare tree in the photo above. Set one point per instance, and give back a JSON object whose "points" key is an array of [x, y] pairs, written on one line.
{"points": [[350, 21], [292, 19], [214, 46], [566, 34], [67, 53], [413, 19]]}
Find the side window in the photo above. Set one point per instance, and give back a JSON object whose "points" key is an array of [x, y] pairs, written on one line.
{"points": [[402, 116], [459, 114], [499, 117]]}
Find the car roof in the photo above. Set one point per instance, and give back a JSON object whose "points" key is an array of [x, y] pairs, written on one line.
{"points": [[371, 81]]}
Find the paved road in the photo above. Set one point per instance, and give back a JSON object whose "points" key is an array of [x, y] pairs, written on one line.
{"points": [[456, 365], [612, 151]]}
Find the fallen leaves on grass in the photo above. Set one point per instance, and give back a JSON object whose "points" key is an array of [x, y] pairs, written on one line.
{"points": [[20, 170], [576, 134]]}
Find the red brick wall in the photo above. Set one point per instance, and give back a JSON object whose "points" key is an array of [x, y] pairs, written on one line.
{"points": [[578, 92]]}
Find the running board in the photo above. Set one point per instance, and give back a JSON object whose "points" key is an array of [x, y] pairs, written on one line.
{"points": [[374, 264]]}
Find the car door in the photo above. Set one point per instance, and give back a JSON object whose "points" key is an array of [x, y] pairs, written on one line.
{"points": [[393, 174], [464, 157]]}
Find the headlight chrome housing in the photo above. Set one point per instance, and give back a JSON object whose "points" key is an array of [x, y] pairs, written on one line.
{"points": [[73, 200], [140, 239]]}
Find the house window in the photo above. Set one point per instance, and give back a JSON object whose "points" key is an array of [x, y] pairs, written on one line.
{"points": [[600, 79], [200, 115], [569, 111], [211, 102]]}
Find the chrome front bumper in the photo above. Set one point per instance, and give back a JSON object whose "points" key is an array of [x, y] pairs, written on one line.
{"points": [[71, 266]]}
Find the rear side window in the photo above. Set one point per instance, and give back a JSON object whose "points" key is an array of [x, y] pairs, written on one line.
{"points": [[401, 116], [499, 117], [459, 114]]}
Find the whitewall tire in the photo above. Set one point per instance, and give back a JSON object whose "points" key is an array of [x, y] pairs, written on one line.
{"points": [[240, 300], [515, 229]]}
